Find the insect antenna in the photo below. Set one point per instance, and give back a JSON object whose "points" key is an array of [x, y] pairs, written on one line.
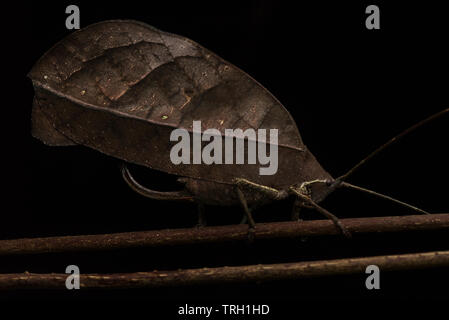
{"points": [[391, 141], [340, 181], [380, 195]]}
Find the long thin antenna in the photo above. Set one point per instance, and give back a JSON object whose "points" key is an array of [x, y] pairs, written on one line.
{"points": [[391, 141], [380, 195]]}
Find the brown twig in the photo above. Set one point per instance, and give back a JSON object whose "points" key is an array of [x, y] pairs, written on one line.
{"points": [[221, 234], [251, 273]]}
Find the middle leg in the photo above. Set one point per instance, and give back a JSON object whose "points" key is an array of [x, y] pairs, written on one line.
{"points": [[266, 191]]}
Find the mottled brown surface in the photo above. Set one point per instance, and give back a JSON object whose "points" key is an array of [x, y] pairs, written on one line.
{"points": [[121, 87]]}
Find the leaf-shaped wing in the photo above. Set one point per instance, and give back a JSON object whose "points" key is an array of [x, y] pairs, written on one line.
{"points": [[121, 87]]}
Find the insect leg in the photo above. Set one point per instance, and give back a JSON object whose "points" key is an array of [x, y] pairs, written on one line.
{"points": [[251, 209], [249, 216], [272, 193], [267, 191], [309, 202], [296, 214], [296, 210]]}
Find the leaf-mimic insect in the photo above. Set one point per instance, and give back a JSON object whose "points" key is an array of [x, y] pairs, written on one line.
{"points": [[121, 87]]}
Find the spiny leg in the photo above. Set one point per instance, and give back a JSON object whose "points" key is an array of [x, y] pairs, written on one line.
{"points": [[334, 219], [308, 201]]}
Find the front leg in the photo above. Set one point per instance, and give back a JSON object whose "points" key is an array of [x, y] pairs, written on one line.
{"points": [[308, 202]]}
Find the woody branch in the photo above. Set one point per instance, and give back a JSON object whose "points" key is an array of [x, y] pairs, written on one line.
{"points": [[193, 236], [235, 274]]}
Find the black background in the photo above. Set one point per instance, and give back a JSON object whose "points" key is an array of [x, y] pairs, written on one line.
{"points": [[349, 90]]}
